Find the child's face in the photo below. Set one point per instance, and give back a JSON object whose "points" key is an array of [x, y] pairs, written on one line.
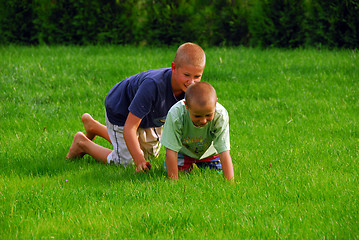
{"points": [[200, 116], [185, 75]]}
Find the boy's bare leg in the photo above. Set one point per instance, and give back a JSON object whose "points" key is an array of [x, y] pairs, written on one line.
{"points": [[81, 145], [94, 128]]}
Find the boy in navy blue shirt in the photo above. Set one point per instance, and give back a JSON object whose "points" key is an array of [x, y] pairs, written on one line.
{"points": [[136, 109]]}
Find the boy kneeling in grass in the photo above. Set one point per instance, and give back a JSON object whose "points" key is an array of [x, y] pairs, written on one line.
{"points": [[135, 111], [196, 131]]}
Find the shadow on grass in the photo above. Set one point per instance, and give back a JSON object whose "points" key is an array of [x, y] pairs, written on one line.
{"points": [[86, 167]]}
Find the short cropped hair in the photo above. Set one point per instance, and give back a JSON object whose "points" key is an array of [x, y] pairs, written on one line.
{"points": [[190, 53], [201, 93]]}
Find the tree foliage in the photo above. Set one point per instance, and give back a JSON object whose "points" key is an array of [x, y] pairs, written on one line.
{"points": [[265, 23]]}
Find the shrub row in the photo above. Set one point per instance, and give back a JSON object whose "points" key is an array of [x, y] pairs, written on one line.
{"points": [[266, 23]]}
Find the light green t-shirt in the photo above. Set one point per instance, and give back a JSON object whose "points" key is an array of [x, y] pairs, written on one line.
{"points": [[181, 135]]}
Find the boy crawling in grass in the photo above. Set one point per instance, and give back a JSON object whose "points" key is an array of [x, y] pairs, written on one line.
{"points": [[135, 111], [196, 131]]}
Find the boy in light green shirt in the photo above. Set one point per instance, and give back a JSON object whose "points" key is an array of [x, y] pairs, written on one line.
{"points": [[196, 131]]}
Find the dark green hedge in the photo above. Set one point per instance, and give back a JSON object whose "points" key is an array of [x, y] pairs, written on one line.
{"points": [[266, 23]]}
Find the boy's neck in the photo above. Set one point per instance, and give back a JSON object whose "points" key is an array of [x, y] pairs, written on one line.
{"points": [[179, 96]]}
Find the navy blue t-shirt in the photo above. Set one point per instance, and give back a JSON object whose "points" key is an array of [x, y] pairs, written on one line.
{"points": [[148, 95]]}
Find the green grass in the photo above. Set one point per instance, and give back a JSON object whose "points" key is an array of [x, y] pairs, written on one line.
{"points": [[294, 136]]}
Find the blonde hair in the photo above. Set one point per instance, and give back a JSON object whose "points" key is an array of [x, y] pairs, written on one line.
{"points": [[190, 53], [200, 93]]}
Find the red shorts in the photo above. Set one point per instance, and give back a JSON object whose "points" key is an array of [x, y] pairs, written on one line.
{"points": [[185, 163]]}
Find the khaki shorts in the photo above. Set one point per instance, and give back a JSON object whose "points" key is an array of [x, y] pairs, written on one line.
{"points": [[149, 139]]}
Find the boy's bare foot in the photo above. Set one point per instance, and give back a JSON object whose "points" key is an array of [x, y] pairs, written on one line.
{"points": [[76, 150], [89, 122]]}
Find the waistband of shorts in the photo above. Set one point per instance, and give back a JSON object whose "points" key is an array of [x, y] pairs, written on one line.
{"points": [[201, 160]]}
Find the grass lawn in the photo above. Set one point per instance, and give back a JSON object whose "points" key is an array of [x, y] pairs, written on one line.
{"points": [[294, 142]]}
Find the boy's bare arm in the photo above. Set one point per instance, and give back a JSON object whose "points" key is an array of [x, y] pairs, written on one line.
{"points": [[171, 164], [130, 134], [227, 165]]}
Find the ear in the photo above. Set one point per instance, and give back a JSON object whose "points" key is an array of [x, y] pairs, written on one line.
{"points": [[185, 104], [173, 66]]}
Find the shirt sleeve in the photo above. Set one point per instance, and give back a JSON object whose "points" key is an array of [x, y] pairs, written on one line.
{"points": [[221, 141], [144, 99], [172, 130]]}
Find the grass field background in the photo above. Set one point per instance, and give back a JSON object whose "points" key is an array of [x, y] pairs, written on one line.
{"points": [[294, 143]]}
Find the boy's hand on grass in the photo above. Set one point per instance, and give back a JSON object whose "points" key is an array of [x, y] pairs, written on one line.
{"points": [[143, 166]]}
